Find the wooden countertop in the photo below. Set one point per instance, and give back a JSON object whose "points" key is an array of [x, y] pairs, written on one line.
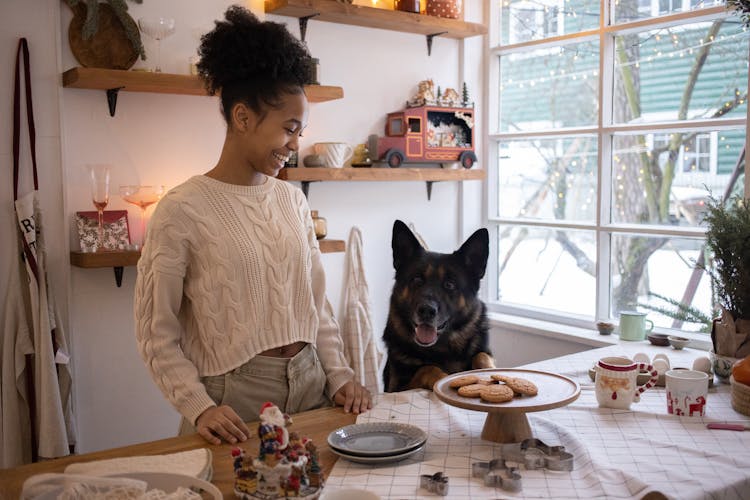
{"points": [[315, 424]]}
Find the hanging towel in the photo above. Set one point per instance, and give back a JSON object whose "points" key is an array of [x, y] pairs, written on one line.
{"points": [[362, 350], [36, 381]]}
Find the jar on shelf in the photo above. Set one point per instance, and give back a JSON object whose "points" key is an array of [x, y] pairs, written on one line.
{"points": [[320, 224]]}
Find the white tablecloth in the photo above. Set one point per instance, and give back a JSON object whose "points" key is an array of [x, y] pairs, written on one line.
{"points": [[618, 453]]}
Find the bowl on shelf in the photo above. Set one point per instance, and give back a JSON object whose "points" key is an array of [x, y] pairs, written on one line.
{"points": [[605, 328], [722, 365], [678, 342], [659, 339]]}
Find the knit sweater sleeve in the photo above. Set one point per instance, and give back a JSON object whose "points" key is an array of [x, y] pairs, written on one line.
{"points": [[329, 345], [158, 299]]}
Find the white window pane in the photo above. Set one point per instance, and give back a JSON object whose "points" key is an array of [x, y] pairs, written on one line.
{"points": [[631, 10], [662, 75], [666, 178], [526, 20], [552, 179], [651, 274], [547, 269], [549, 88]]}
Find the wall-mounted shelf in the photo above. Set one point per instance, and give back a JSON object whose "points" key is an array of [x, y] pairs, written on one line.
{"points": [[428, 175], [114, 80], [118, 259], [370, 17]]}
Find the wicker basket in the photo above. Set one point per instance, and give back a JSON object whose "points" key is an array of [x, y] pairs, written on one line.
{"points": [[740, 397]]}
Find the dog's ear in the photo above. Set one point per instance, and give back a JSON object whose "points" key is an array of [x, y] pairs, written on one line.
{"points": [[475, 251], [405, 245]]}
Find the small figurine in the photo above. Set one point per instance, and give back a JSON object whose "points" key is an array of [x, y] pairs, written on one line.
{"points": [[286, 466]]}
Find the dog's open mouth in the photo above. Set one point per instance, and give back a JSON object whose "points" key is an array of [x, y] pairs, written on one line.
{"points": [[426, 334]]}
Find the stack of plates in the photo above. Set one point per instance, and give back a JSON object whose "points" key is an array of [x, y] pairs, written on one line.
{"points": [[378, 442]]}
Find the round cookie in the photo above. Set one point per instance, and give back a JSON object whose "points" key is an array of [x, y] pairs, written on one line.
{"points": [[471, 390], [522, 386], [463, 380], [499, 377], [496, 393]]}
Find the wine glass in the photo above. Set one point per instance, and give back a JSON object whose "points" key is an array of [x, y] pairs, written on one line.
{"points": [[142, 197], [157, 28], [99, 175]]}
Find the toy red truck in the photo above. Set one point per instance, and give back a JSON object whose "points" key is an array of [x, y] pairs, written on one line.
{"points": [[426, 134]]}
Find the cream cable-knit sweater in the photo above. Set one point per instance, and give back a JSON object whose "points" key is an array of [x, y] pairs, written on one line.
{"points": [[227, 272]]}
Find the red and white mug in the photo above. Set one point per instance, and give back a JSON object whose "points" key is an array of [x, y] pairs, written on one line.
{"points": [[616, 381]]}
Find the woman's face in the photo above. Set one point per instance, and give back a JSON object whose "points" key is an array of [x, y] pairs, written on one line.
{"points": [[269, 140]]}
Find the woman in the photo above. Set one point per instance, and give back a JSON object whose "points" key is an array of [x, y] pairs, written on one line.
{"points": [[230, 298]]}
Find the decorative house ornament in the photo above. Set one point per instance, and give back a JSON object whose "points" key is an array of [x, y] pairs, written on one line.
{"points": [[434, 127], [286, 466], [444, 8]]}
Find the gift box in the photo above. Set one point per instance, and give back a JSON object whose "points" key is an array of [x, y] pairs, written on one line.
{"points": [[116, 234]]}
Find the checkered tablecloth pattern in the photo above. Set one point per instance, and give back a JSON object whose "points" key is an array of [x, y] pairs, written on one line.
{"points": [[618, 453]]}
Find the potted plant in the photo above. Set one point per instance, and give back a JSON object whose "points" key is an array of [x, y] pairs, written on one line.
{"points": [[742, 9], [728, 238], [103, 35]]}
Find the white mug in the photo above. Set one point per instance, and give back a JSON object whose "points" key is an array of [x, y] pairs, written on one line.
{"points": [[334, 154], [687, 391], [615, 382]]}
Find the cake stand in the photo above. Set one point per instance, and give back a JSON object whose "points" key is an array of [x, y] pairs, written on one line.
{"points": [[507, 422]]}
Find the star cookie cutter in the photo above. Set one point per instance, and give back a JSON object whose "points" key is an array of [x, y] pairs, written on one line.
{"points": [[535, 454], [497, 473], [435, 483]]}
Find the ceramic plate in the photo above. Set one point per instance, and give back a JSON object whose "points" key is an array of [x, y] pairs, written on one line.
{"points": [[376, 439], [378, 460]]}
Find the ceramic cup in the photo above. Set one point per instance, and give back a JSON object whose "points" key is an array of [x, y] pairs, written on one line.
{"points": [[334, 154], [633, 325], [687, 391], [615, 382]]}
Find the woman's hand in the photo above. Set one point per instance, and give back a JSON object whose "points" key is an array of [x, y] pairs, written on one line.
{"points": [[221, 422], [353, 397]]}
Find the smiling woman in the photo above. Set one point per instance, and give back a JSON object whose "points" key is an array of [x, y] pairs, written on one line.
{"points": [[230, 300]]}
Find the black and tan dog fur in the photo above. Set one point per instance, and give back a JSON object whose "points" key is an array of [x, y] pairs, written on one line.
{"points": [[436, 324]]}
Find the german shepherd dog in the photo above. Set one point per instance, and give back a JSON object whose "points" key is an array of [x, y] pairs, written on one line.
{"points": [[436, 323]]}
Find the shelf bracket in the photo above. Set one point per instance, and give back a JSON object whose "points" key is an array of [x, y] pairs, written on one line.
{"points": [[118, 275], [429, 41], [305, 188], [429, 189], [303, 25], [112, 99]]}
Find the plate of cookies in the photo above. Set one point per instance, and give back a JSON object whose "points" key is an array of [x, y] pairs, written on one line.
{"points": [[506, 394]]}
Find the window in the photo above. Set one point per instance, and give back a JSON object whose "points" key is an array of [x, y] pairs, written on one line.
{"points": [[605, 142]]}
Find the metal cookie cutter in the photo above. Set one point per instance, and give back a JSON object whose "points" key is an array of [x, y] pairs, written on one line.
{"points": [[534, 454], [496, 473], [435, 483]]}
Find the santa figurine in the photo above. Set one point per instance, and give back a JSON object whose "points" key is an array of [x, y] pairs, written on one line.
{"points": [[272, 431]]}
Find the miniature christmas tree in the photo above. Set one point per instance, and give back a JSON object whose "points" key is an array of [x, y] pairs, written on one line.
{"points": [[465, 95]]}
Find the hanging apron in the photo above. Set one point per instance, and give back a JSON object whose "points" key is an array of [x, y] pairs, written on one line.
{"points": [[361, 349], [37, 417]]}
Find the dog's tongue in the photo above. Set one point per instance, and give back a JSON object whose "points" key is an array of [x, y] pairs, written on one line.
{"points": [[426, 334]]}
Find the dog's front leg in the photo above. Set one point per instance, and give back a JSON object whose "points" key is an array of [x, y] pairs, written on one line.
{"points": [[482, 360], [426, 377]]}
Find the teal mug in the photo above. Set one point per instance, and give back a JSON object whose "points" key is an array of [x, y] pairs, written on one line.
{"points": [[633, 325]]}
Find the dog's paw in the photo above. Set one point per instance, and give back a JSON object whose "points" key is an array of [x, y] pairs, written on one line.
{"points": [[426, 377], [482, 360]]}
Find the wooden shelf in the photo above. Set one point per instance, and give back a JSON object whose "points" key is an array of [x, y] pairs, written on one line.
{"points": [[114, 80], [370, 17], [118, 259], [427, 175], [380, 174]]}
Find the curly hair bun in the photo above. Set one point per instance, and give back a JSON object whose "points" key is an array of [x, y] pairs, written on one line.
{"points": [[242, 50]]}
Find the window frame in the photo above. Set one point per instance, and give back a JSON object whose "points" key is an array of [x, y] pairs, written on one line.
{"points": [[604, 130]]}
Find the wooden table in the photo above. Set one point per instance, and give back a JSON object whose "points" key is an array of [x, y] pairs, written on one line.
{"points": [[315, 424]]}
